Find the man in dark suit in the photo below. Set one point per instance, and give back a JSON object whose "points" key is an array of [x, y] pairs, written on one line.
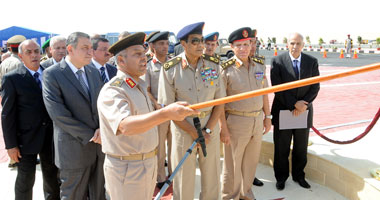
{"points": [[70, 91], [100, 58], [57, 49], [288, 67], [27, 128]]}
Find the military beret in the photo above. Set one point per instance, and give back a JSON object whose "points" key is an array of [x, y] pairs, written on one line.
{"points": [[240, 34], [15, 40], [254, 33], [151, 35], [160, 36], [196, 28], [46, 44], [133, 39], [212, 36]]}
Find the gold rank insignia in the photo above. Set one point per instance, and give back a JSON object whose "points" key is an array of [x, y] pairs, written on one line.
{"points": [[130, 82], [117, 82], [170, 63], [228, 63], [211, 58], [258, 60]]}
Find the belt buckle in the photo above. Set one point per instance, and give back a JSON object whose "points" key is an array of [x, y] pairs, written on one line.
{"points": [[202, 114]]}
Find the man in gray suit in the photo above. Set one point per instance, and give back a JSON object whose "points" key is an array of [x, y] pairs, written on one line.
{"points": [[70, 91], [57, 49]]}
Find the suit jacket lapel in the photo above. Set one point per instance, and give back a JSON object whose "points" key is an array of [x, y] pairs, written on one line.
{"points": [[28, 77], [111, 71], [289, 66], [303, 67], [72, 78], [91, 83]]}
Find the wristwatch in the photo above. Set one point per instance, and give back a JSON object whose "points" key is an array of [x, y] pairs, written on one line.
{"points": [[207, 130], [269, 116]]}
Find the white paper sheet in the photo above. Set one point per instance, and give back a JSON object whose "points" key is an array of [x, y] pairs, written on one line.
{"points": [[288, 121]]}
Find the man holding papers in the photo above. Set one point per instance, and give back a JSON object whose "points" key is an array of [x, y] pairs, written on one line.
{"points": [[292, 111]]}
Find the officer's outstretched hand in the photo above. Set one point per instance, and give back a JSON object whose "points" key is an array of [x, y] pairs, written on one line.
{"points": [[178, 111]]}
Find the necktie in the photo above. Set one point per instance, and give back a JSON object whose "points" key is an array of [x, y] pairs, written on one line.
{"points": [[296, 68], [36, 75], [82, 83], [103, 74]]}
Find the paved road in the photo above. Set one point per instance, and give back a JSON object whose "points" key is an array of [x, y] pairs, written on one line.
{"points": [[332, 59]]}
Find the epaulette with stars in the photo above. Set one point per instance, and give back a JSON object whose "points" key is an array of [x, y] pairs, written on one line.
{"points": [[261, 57], [117, 82], [170, 63], [149, 59], [258, 60], [211, 58], [228, 63]]}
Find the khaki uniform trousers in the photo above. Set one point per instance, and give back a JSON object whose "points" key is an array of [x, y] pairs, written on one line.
{"points": [[130, 179], [163, 135], [241, 156], [183, 183]]}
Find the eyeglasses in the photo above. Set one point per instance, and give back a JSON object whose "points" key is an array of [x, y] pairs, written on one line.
{"points": [[196, 41]]}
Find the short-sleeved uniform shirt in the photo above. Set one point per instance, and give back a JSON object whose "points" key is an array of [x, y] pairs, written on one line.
{"points": [[152, 75], [180, 82], [238, 79], [122, 97]]}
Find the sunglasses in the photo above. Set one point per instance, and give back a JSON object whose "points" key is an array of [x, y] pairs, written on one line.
{"points": [[196, 41]]}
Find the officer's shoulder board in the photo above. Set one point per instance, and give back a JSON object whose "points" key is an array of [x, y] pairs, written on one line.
{"points": [[149, 59], [258, 60], [170, 63], [228, 63], [261, 57], [117, 82], [211, 58]]}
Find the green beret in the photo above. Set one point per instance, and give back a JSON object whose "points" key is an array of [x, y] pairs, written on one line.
{"points": [[133, 39], [17, 39], [46, 44]]}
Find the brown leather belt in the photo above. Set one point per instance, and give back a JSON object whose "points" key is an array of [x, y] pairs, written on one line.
{"points": [[245, 114], [141, 156], [202, 114]]}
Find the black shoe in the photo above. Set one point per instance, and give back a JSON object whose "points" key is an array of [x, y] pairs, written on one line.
{"points": [[13, 165], [257, 182], [160, 185], [280, 185], [302, 183]]}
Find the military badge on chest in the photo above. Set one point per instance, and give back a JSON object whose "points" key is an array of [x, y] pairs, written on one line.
{"points": [[260, 77], [209, 75]]}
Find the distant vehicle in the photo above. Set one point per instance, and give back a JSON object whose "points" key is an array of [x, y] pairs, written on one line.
{"points": [[113, 37], [224, 49]]}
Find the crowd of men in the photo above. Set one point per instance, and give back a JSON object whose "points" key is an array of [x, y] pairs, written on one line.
{"points": [[106, 120]]}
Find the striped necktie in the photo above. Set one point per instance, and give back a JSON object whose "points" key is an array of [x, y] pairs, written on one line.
{"points": [[295, 67], [103, 74]]}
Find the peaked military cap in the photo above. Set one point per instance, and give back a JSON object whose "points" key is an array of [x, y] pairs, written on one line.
{"points": [[212, 36], [46, 44], [15, 40], [196, 28], [160, 36], [151, 35], [240, 34], [133, 39]]}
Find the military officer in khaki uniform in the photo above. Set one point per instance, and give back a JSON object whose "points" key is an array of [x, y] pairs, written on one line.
{"points": [[260, 59], [211, 43], [13, 61], [246, 119], [192, 78], [160, 45], [128, 124]]}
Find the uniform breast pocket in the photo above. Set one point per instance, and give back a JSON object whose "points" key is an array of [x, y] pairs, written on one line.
{"points": [[184, 92]]}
